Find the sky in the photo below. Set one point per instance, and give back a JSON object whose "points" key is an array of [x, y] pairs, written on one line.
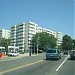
{"points": [[56, 15]]}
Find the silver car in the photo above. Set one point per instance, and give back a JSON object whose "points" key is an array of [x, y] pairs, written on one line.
{"points": [[53, 54]]}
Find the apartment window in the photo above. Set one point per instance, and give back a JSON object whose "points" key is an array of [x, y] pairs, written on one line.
{"points": [[19, 40], [20, 37], [20, 44], [31, 24], [31, 31], [20, 47], [12, 27], [31, 27]]}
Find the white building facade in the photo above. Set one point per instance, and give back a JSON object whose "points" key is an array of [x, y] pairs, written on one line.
{"points": [[59, 38], [21, 35], [4, 34]]}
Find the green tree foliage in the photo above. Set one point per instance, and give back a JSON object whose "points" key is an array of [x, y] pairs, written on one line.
{"points": [[44, 40], [5, 42], [67, 43], [60, 47]]}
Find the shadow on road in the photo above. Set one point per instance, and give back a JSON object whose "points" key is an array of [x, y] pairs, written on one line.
{"points": [[71, 59]]}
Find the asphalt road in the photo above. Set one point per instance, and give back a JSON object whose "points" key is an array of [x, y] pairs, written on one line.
{"points": [[38, 65]]}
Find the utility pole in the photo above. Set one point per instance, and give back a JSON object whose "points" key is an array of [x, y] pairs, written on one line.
{"points": [[37, 48], [29, 50], [34, 47], [37, 44]]}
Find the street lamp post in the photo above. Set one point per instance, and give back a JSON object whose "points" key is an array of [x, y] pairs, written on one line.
{"points": [[37, 48], [37, 44], [29, 50], [34, 47]]}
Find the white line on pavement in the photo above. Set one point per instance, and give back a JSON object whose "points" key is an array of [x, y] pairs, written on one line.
{"points": [[62, 63]]}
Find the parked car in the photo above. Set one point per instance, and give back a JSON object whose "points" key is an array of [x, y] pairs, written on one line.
{"points": [[13, 53], [3, 51], [72, 54], [65, 51], [40, 51], [53, 54]]}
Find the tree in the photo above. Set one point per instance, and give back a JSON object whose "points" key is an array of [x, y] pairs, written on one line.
{"points": [[60, 47], [44, 40], [5, 43], [67, 42]]}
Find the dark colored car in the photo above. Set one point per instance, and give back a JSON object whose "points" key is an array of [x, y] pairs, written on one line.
{"points": [[53, 54], [65, 51], [72, 54]]}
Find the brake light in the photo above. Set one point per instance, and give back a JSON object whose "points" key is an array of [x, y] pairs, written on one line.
{"points": [[56, 54]]}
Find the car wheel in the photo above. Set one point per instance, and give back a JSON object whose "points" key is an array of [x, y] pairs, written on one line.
{"points": [[46, 58], [60, 57]]}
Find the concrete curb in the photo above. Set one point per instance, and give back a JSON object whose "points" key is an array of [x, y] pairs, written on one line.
{"points": [[8, 58]]}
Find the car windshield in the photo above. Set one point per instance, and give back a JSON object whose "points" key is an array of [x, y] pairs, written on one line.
{"points": [[14, 52], [51, 51]]}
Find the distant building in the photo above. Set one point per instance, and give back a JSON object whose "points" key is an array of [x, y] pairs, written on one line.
{"points": [[57, 35], [49, 31], [4, 34], [59, 38], [21, 34]]}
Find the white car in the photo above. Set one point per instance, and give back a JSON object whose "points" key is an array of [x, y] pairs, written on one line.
{"points": [[13, 54]]}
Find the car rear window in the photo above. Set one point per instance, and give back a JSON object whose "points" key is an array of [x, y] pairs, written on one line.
{"points": [[73, 51], [51, 51]]}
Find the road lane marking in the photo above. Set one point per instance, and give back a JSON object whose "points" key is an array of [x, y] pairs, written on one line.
{"points": [[20, 67], [62, 63]]}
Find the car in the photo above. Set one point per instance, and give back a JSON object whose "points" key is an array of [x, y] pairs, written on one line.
{"points": [[65, 51], [40, 51], [53, 54], [13, 53], [72, 54], [3, 51]]}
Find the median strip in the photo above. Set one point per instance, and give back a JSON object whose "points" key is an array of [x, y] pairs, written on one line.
{"points": [[62, 63], [21, 67]]}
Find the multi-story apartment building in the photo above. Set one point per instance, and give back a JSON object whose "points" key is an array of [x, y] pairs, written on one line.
{"points": [[4, 34], [49, 31], [18, 36], [21, 35], [59, 38], [57, 35], [13, 35]]}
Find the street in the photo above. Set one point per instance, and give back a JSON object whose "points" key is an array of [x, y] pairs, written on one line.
{"points": [[38, 65]]}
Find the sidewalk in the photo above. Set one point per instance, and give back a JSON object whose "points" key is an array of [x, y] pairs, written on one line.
{"points": [[20, 56], [7, 58]]}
